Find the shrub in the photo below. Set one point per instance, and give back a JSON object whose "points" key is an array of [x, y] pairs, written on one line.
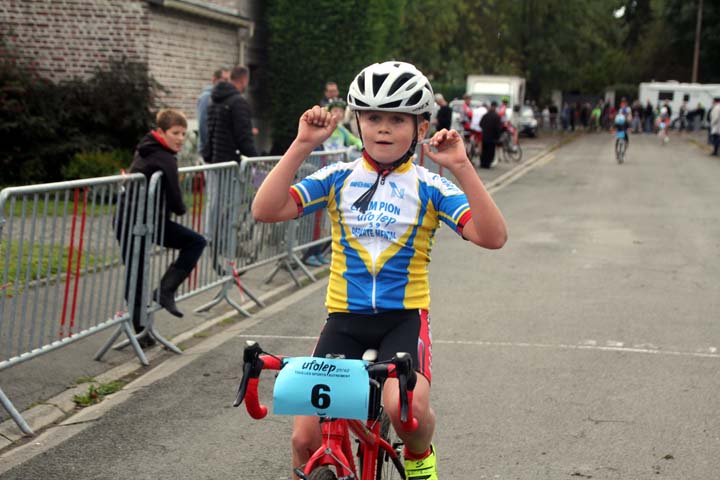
{"points": [[97, 164], [48, 123]]}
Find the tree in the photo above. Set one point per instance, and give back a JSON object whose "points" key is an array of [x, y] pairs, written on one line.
{"points": [[331, 41]]}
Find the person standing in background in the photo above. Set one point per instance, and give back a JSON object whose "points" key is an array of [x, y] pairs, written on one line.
{"points": [[230, 136], [332, 92], [715, 125], [229, 122], [491, 127], [649, 117], [219, 75], [443, 118]]}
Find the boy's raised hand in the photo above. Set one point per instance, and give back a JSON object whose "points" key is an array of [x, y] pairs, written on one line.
{"points": [[315, 126], [450, 149]]}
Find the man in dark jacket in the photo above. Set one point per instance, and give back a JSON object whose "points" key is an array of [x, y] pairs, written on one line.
{"points": [[444, 113], [491, 126], [229, 120]]}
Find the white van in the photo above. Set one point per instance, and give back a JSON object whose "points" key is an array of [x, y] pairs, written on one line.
{"points": [[676, 93]]}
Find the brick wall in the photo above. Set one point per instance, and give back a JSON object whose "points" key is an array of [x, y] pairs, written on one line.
{"points": [[69, 38], [184, 51]]}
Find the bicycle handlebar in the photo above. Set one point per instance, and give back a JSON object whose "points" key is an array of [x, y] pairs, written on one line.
{"points": [[254, 362]]}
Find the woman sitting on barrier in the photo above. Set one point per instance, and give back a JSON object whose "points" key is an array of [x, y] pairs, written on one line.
{"points": [[156, 152]]}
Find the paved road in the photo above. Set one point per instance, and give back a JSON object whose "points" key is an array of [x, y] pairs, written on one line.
{"points": [[586, 348]]}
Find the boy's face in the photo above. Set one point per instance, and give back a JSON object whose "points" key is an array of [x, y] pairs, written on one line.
{"points": [[388, 135], [338, 114], [174, 137]]}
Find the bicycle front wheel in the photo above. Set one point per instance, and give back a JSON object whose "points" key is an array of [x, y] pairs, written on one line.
{"points": [[620, 150], [322, 473], [389, 468], [515, 153]]}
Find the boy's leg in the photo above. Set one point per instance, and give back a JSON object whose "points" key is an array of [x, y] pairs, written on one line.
{"points": [[416, 442], [305, 440], [413, 336], [190, 243]]}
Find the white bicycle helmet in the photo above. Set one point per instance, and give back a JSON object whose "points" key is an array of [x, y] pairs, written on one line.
{"points": [[392, 87]]}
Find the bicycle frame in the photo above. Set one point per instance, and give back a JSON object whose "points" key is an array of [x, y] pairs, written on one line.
{"points": [[336, 448]]}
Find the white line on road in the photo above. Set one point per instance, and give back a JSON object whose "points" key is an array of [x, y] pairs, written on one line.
{"points": [[586, 345]]}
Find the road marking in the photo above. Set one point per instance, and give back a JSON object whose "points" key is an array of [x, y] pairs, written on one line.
{"points": [[519, 171], [611, 346]]}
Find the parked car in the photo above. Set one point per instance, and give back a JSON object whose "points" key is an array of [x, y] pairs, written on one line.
{"points": [[527, 124]]}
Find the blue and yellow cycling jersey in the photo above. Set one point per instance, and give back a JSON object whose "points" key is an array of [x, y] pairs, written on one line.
{"points": [[380, 257]]}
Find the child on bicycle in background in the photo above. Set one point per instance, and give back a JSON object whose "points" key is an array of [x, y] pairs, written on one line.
{"points": [[385, 210], [621, 129]]}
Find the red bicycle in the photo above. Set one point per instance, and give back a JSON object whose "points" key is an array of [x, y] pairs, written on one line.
{"points": [[378, 448]]}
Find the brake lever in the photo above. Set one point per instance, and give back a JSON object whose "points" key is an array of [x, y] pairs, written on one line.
{"points": [[252, 367]]}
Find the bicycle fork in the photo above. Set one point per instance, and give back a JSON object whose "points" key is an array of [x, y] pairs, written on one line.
{"points": [[336, 451]]}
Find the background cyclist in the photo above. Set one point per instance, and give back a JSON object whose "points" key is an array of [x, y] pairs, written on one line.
{"points": [[504, 113], [621, 130], [385, 211], [467, 114]]}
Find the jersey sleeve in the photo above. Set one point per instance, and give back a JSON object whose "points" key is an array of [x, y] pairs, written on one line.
{"points": [[312, 192], [451, 203]]}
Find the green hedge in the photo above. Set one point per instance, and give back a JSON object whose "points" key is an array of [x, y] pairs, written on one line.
{"points": [[97, 164], [48, 123], [331, 41]]}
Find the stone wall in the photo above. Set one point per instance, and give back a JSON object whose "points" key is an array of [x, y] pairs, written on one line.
{"points": [[70, 38], [183, 53]]}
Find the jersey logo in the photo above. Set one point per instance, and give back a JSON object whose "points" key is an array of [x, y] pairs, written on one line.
{"points": [[397, 192]]}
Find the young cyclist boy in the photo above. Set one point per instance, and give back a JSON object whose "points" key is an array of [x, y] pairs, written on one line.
{"points": [[384, 211]]}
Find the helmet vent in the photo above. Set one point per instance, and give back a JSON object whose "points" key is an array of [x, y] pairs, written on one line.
{"points": [[390, 104], [400, 81], [378, 80], [415, 99], [361, 83]]}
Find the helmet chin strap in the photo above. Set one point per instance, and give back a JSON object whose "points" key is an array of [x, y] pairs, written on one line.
{"points": [[383, 170]]}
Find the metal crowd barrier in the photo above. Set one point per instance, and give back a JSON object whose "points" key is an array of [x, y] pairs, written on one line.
{"points": [[59, 277], [214, 196], [73, 253], [309, 230]]}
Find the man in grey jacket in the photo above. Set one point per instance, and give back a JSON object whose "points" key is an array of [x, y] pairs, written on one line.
{"points": [[219, 75]]}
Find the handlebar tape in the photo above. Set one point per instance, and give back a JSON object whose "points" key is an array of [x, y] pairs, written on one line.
{"points": [[252, 401]]}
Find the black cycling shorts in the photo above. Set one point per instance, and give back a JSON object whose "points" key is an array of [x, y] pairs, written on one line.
{"points": [[350, 334]]}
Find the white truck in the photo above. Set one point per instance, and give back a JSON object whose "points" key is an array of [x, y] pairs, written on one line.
{"points": [[676, 93], [488, 88]]}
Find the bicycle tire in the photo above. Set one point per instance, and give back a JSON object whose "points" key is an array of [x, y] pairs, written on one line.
{"points": [[473, 152], [386, 468], [516, 154], [469, 149], [322, 473], [620, 151]]}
